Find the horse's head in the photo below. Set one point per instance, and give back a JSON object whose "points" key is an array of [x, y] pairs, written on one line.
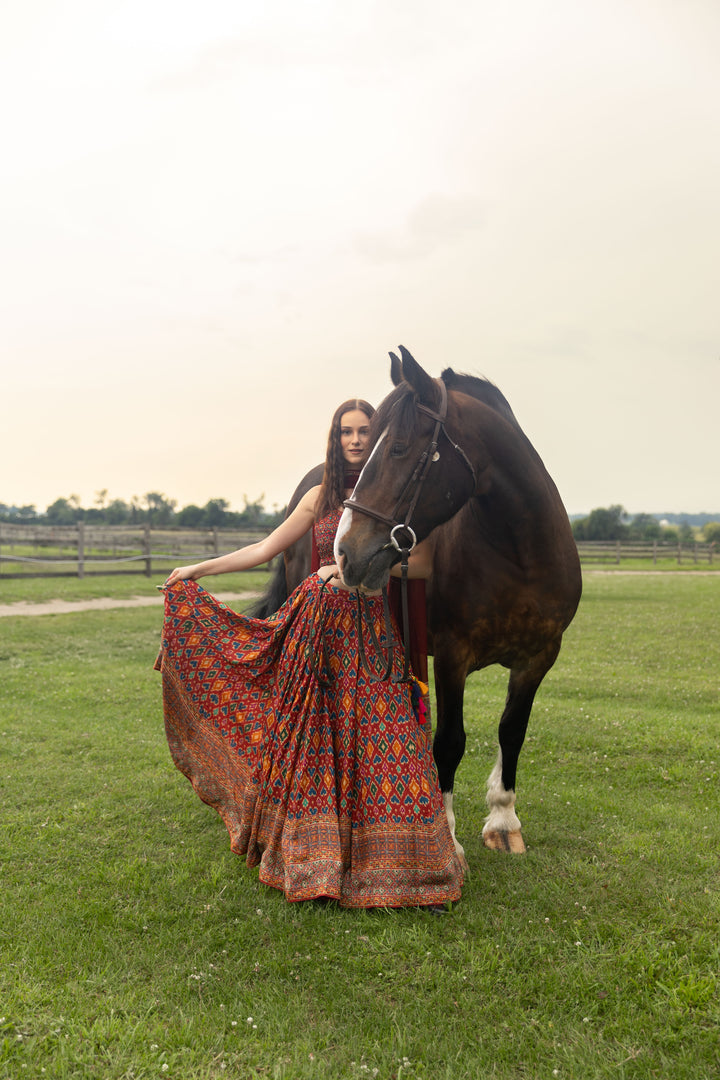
{"points": [[417, 476]]}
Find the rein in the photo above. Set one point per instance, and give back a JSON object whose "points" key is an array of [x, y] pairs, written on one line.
{"points": [[396, 524]]}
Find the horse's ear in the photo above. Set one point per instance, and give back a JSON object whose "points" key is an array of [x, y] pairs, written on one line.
{"points": [[423, 384], [395, 369]]}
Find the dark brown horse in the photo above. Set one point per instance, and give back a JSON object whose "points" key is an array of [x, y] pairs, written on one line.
{"points": [[506, 575]]}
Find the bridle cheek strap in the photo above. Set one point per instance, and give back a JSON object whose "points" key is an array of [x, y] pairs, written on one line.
{"points": [[414, 485]]}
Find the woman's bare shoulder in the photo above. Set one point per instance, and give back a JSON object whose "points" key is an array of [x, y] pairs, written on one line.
{"points": [[310, 498]]}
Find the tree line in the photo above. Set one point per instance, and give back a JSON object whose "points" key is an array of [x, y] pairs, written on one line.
{"points": [[614, 523], [153, 508]]}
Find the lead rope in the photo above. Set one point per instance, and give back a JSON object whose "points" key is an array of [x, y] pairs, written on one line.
{"points": [[404, 556], [316, 664], [372, 673]]}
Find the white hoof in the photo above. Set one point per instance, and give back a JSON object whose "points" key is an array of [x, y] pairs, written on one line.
{"points": [[450, 815]]}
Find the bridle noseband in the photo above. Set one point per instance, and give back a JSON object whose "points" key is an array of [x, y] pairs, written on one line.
{"points": [[396, 524]]}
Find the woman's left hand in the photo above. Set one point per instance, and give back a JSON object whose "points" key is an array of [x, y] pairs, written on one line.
{"points": [[331, 574]]}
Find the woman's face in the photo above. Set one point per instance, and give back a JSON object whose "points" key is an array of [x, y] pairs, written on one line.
{"points": [[354, 436]]}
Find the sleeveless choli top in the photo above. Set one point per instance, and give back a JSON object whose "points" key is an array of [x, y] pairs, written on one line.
{"points": [[324, 537]]}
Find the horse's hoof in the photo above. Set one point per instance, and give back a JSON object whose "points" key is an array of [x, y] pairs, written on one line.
{"points": [[501, 840]]}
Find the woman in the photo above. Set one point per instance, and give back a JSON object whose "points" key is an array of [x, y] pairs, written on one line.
{"points": [[321, 772]]}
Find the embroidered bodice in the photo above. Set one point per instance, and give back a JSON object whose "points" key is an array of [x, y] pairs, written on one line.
{"points": [[325, 530]]}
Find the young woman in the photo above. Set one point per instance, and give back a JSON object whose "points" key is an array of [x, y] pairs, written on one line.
{"points": [[321, 771]]}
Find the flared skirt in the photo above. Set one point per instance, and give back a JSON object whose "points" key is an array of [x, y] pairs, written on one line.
{"points": [[321, 772]]}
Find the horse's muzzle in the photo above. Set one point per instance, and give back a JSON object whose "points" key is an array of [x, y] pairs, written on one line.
{"points": [[369, 571]]}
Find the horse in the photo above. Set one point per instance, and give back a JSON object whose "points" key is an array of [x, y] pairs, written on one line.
{"points": [[450, 464], [506, 575]]}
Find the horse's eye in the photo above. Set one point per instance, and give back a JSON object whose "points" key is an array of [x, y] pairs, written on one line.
{"points": [[397, 449]]}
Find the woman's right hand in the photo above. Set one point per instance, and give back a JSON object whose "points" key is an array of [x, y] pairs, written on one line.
{"points": [[183, 573]]}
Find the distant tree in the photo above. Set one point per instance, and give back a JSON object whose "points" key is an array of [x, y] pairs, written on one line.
{"points": [[711, 532], [685, 533], [645, 527], [190, 517], [27, 513], [215, 513], [253, 513], [160, 509], [602, 524], [62, 512], [101, 498], [117, 512]]}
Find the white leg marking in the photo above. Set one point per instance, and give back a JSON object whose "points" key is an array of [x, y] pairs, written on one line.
{"points": [[502, 816], [450, 815]]}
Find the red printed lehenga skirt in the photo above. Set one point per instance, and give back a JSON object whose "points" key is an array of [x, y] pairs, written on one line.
{"points": [[323, 776]]}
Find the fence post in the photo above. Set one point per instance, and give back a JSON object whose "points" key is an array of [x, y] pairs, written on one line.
{"points": [[617, 552], [654, 552], [215, 541], [81, 548], [147, 550], [679, 557]]}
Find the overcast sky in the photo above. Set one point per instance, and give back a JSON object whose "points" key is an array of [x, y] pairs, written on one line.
{"points": [[218, 217]]}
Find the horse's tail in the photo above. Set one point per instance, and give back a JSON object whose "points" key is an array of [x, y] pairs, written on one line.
{"points": [[274, 596]]}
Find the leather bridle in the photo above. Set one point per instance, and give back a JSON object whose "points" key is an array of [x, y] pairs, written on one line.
{"points": [[411, 493], [414, 486]]}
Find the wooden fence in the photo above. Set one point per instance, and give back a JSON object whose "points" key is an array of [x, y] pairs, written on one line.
{"points": [[82, 550], [615, 551]]}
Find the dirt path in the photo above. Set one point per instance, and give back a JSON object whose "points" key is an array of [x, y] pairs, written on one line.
{"points": [[104, 603]]}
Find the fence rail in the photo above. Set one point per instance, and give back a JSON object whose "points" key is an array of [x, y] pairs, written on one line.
{"points": [[615, 551], [82, 550]]}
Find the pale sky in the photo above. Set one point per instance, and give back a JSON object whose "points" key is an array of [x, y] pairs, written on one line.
{"points": [[217, 217]]}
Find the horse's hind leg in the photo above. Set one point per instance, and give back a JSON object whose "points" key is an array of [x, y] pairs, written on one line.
{"points": [[449, 741], [502, 829]]}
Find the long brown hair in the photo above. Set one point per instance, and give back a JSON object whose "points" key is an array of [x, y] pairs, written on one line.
{"points": [[332, 491]]}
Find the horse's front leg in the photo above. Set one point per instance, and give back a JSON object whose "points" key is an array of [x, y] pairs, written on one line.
{"points": [[449, 741], [502, 829]]}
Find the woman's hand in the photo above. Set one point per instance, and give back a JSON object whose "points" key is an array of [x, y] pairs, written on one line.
{"points": [[183, 573], [332, 574]]}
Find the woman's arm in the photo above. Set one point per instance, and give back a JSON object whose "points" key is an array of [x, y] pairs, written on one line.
{"points": [[291, 529]]}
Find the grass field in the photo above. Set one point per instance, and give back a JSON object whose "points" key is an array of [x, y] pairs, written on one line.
{"points": [[134, 945]]}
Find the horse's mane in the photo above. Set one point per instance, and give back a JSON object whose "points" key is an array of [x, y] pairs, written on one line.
{"points": [[482, 390], [400, 403]]}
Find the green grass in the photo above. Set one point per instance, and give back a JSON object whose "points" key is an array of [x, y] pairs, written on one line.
{"points": [[135, 945]]}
